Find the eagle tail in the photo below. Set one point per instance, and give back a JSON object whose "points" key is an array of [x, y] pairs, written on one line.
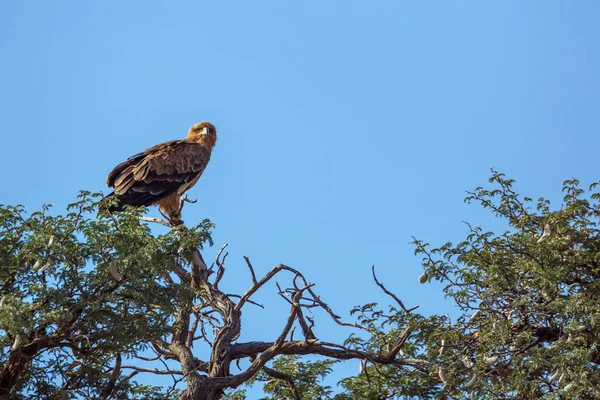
{"points": [[129, 198]]}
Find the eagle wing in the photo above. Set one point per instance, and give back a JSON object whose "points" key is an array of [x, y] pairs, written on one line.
{"points": [[158, 172]]}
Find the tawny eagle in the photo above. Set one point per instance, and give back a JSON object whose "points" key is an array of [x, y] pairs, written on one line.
{"points": [[163, 173]]}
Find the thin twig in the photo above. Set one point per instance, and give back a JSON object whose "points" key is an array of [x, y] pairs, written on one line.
{"points": [[336, 318], [251, 269], [249, 301], [153, 370], [392, 295], [260, 283], [217, 260], [306, 330]]}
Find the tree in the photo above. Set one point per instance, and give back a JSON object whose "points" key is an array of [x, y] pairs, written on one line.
{"points": [[91, 303], [529, 298]]}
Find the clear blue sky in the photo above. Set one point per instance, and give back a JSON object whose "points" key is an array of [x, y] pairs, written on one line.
{"points": [[344, 127]]}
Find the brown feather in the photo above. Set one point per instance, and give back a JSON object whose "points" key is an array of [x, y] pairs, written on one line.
{"points": [[162, 173]]}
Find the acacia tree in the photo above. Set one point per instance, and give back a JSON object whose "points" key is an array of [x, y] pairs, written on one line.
{"points": [[529, 298], [90, 303]]}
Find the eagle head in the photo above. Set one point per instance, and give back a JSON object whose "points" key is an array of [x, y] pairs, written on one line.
{"points": [[203, 132]]}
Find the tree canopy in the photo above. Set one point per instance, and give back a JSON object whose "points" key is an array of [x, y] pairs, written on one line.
{"points": [[90, 302]]}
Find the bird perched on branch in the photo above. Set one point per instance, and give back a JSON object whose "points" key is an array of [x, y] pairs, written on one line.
{"points": [[163, 173]]}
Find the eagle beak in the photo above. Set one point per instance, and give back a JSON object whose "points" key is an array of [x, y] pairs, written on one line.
{"points": [[204, 131]]}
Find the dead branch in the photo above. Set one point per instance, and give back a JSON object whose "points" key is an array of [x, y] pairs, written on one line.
{"points": [[336, 318], [249, 301], [260, 283], [306, 329], [392, 295], [155, 371], [221, 265], [251, 268], [302, 347], [292, 316]]}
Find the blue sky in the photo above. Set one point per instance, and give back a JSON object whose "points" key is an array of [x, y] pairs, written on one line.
{"points": [[344, 127]]}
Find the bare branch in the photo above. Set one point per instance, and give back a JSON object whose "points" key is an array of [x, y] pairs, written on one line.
{"points": [[218, 258], [260, 283], [286, 329], [292, 317], [224, 350], [249, 301], [392, 295], [306, 330], [265, 351], [336, 318], [251, 269], [220, 273], [155, 220], [221, 265], [153, 370], [282, 292], [301, 347]]}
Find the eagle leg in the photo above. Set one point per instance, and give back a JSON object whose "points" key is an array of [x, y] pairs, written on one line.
{"points": [[174, 218], [164, 214], [170, 208]]}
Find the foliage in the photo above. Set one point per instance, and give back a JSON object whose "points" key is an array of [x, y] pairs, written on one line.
{"points": [[65, 313], [307, 376], [530, 323], [88, 303]]}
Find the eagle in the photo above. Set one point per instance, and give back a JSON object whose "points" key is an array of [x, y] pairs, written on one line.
{"points": [[163, 173]]}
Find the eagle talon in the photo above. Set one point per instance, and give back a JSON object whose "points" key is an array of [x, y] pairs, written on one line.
{"points": [[176, 221]]}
